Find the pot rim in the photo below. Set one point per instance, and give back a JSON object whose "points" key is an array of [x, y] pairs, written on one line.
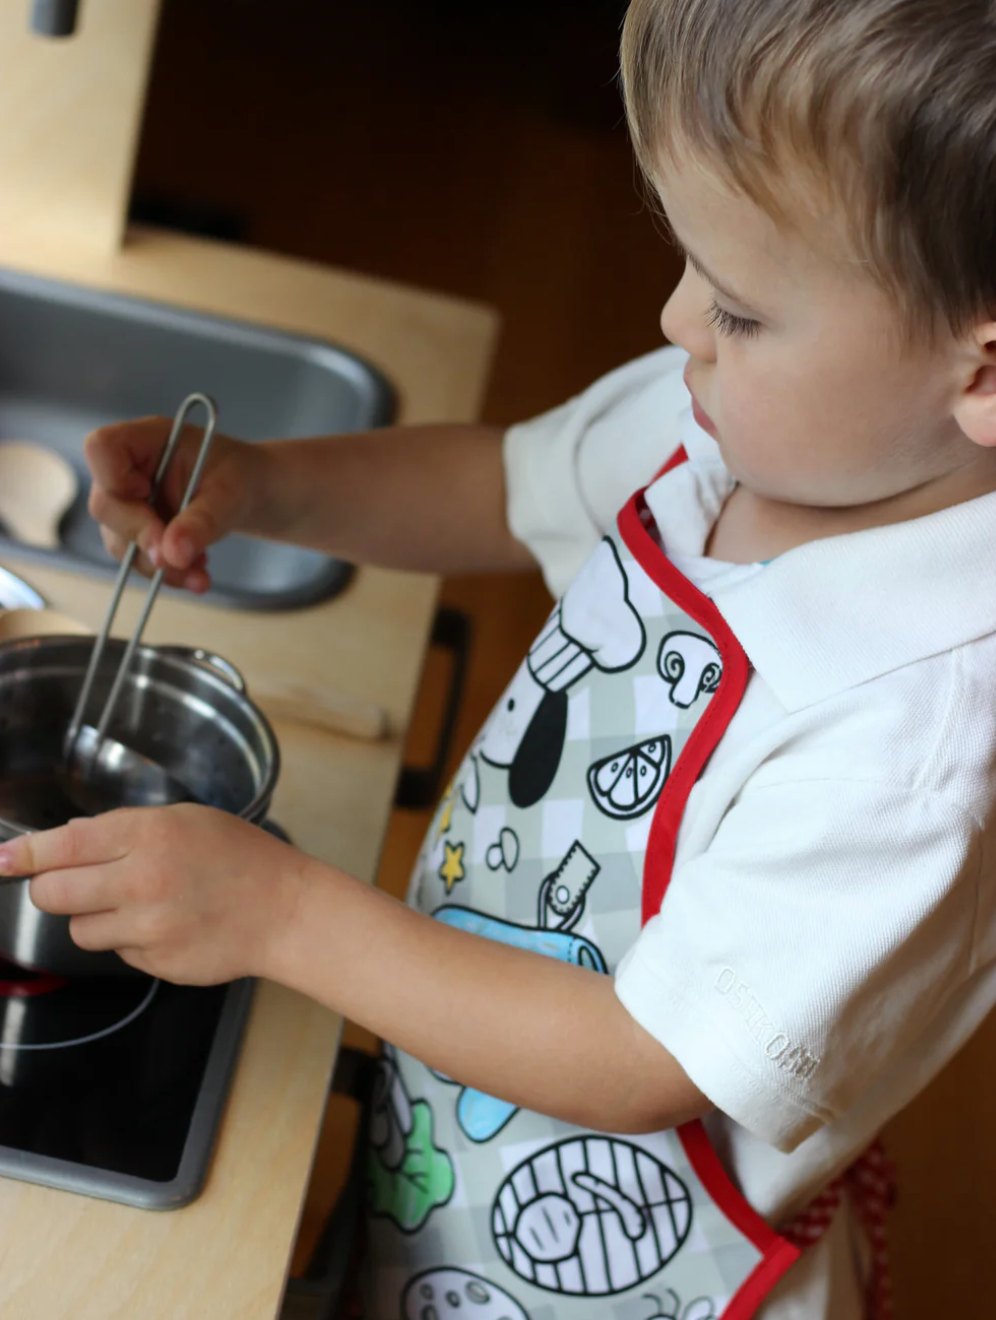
{"points": [[223, 673]]}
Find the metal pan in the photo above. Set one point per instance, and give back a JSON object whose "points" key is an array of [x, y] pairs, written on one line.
{"points": [[183, 709]]}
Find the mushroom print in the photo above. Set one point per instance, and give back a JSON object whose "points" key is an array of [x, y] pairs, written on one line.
{"points": [[451, 1294], [504, 852], [689, 664], [594, 626], [590, 1216]]}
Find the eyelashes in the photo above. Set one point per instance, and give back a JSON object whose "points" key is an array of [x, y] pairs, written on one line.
{"points": [[725, 323]]}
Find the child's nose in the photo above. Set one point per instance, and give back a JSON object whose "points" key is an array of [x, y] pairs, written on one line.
{"points": [[683, 319]]}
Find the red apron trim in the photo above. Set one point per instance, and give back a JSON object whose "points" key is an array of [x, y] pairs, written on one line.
{"points": [[869, 1179], [710, 728], [758, 1285], [777, 1252], [679, 456]]}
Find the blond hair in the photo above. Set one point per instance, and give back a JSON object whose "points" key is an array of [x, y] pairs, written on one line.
{"points": [[883, 109]]}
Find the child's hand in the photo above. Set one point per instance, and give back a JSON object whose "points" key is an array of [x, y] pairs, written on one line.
{"points": [[123, 460], [184, 892]]}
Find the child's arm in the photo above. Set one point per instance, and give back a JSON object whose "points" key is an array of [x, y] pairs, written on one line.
{"points": [[428, 498], [193, 895], [425, 498], [540, 1033]]}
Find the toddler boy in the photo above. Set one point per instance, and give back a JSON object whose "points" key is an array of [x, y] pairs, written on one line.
{"points": [[708, 899]]}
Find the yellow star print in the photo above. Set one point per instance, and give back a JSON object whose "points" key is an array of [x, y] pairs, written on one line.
{"points": [[446, 815], [452, 868]]}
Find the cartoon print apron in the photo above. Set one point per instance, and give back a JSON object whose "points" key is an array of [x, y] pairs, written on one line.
{"points": [[557, 835]]}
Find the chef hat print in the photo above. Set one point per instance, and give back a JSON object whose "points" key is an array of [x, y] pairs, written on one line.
{"points": [[594, 626]]}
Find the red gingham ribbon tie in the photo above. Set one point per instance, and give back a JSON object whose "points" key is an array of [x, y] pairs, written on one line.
{"points": [[871, 1186]]}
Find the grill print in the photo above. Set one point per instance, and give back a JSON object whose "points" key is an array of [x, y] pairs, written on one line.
{"points": [[590, 1216]]}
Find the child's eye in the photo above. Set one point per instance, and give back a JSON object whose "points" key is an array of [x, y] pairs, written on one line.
{"points": [[719, 319]]}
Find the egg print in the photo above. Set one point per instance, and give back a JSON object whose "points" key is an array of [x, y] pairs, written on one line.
{"points": [[590, 1216], [445, 1293]]}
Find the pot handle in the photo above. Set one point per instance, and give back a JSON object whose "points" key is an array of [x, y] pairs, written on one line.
{"points": [[208, 660], [419, 786], [9, 829]]}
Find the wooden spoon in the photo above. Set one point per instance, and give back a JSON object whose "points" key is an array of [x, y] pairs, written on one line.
{"points": [[315, 706], [37, 487], [38, 623], [321, 708]]}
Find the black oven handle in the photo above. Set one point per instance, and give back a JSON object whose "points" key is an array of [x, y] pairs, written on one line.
{"points": [[420, 786], [321, 1285]]}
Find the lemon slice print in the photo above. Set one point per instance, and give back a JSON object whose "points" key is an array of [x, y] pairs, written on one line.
{"points": [[627, 783]]}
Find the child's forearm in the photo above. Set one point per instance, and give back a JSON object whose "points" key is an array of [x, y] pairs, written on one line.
{"points": [[426, 498], [537, 1032]]}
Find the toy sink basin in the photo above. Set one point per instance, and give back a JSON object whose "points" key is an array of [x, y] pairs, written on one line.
{"points": [[72, 359]]}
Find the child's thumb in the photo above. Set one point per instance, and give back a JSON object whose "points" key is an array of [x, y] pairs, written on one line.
{"points": [[189, 534]]}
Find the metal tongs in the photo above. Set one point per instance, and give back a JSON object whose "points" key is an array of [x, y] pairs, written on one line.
{"points": [[125, 773]]}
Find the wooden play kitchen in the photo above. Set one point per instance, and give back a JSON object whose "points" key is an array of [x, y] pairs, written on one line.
{"points": [[69, 118]]}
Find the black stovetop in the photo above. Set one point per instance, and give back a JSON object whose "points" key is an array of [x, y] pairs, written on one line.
{"points": [[114, 1086]]}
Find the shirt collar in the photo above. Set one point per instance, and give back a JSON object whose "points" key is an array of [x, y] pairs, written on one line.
{"points": [[840, 611]]}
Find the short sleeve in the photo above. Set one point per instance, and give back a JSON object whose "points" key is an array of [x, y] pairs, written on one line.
{"points": [[798, 957], [570, 471]]}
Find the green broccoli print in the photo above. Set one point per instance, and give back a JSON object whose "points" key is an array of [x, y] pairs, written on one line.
{"points": [[423, 1180]]}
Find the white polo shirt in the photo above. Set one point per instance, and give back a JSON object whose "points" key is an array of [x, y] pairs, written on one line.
{"points": [[827, 942]]}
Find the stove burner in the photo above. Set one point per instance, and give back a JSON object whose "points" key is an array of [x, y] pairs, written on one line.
{"points": [[81, 1039], [59, 1014], [114, 1086]]}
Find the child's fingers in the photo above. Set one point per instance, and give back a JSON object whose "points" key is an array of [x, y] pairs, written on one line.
{"points": [[84, 889], [86, 841], [123, 457], [125, 521], [98, 931], [138, 958], [198, 580], [209, 516], [117, 547]]}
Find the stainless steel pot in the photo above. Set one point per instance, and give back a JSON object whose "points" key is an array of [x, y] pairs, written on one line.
{"points": [[185, 709]]}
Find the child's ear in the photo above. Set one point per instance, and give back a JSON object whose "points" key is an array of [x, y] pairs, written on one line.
{"points": [[975, 410]]}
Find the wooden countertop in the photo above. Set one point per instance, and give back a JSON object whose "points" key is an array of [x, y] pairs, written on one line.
{"points": [[66, 1257]]}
